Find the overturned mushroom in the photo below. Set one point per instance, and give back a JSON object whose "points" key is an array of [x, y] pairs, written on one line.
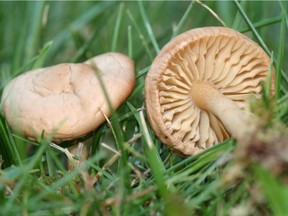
{"points": [[197, 86], [67, 100]]}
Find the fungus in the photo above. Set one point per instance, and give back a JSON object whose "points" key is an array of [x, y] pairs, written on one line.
{"points": [[196, 88], [66, 100]]}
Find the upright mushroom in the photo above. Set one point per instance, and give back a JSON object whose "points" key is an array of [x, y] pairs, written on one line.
{"points": [[66, 100], [196, 88]]}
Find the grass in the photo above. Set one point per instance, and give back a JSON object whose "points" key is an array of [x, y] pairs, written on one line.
{"points": [[135, 174]]}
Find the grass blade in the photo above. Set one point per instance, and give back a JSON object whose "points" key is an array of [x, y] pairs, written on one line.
{"points": [[277, 194], [148, 27], [212, 12], [284, 12], [9, 151], [124, 170], [141, 36], [280, 58], [153, 159], [42, 55], [251, 26], [263, 23], [130, 42], [183, 19], [97, 10], [34, 28], [117, 27]]}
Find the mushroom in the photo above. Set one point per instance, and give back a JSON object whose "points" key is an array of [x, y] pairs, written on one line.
{"points": [[196, 88], [67, 100]]}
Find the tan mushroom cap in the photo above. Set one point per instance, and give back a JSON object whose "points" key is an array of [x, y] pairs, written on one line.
{"points": [[66, 99], [196, 83]]}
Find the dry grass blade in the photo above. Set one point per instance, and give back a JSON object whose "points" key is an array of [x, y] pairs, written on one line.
{"points": [[71, 157], [139, 175], [105, 167], [113, 158], [115, 201], [212, 12]]}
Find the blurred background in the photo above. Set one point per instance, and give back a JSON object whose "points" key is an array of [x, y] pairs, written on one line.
{"points": [[80, 29]]}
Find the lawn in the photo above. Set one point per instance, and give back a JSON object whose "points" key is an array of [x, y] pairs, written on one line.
{"points": [[128, 170]]}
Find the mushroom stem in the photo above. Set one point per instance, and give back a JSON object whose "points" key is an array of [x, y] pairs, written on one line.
{"points": [[207, 97]]}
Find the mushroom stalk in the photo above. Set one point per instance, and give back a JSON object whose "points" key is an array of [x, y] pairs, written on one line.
{"points": [[207, 97]]}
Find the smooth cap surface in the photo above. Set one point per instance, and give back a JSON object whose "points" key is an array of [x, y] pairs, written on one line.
{"points": [[66, 99], [229, 61]]}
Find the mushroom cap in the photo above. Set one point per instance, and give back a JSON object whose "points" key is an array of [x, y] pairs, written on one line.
{"points": [[227, 60], [66, 99]]}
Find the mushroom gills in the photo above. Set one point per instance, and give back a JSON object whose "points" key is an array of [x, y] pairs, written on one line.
{"points": [[206, 97], [210, 72]]}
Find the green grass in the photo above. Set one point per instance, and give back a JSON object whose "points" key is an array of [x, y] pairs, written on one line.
{"points": [[140, 176]]}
